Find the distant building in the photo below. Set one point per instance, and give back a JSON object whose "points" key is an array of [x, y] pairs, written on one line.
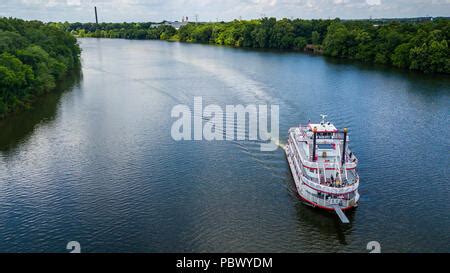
{"points": [[175, 24]]}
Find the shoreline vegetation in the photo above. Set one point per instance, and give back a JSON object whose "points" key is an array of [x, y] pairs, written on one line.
{"points": [[421, 45], [34, 58]]}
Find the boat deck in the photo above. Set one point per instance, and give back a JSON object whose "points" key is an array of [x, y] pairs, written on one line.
{"points": [[343, 177]]}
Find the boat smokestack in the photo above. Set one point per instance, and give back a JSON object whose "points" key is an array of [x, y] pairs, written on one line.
{"points": [[96, 18], [314, 143], [343, 148]]}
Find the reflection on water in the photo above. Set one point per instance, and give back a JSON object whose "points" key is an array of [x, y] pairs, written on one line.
{"points": [[331, 228], [98, 165], [16, 128]]}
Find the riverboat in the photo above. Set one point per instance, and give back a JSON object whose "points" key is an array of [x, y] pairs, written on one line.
{"points": [[323, 166]]}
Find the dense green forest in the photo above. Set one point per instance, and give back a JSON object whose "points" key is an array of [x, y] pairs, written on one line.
{"points": [[33, 57], [421, 45]]}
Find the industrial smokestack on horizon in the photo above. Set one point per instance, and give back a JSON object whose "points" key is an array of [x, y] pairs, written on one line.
{"points": [[96, 18]]}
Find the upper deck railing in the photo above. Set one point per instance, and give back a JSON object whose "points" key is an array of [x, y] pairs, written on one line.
{"points": [[322, 183], [350, 161]]}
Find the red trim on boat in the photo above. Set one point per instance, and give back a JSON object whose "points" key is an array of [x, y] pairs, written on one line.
{"points": [[323, 131]]}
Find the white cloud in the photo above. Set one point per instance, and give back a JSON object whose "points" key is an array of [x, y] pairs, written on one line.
{"points": [[373, 2], [157, 10], [74, 2]]}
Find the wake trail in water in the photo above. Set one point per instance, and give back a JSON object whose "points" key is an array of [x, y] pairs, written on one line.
{"points": [[249, 90], [243, 85], [140, 81], [245, 89]]}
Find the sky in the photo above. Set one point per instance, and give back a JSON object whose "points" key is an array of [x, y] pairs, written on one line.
{"points": [[213, 10]]}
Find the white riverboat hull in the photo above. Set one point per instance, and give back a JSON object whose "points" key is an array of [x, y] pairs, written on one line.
{"points": [[308, 194]]}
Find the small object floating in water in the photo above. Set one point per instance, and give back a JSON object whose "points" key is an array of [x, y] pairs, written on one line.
{"points": [[323, 167]]}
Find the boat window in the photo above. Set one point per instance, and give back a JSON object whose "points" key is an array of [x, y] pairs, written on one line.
{"points": [[325, 146]]}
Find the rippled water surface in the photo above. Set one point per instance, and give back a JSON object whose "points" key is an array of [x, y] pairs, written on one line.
{"points": [[96, 163]]}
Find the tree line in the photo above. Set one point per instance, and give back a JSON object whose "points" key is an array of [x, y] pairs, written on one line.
{"points": [[33, 57], [415, 45], [138, 31]]}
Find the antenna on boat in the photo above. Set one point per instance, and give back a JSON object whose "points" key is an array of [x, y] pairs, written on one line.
{"points": [[323, 117]]}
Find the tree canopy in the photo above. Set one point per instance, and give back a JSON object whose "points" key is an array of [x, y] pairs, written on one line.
{"points": [[33, 57], [411, 44]]}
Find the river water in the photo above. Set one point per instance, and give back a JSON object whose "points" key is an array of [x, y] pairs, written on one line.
{"points": [[95, 162]]}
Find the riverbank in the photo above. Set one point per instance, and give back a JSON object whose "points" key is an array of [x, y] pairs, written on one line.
{"points": [[413, 45], [34, 58]]}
